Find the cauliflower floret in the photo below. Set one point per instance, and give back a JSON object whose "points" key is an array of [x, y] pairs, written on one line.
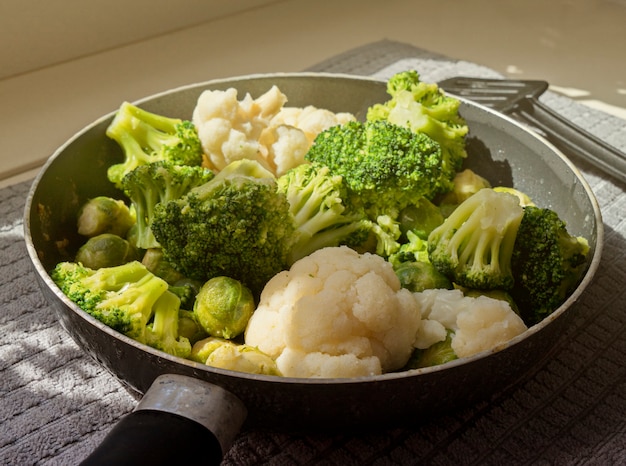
{"points": [[260, 129], [311, 120], [479, 324], [229, 129], [335, 313], [284, 147], [300, 364]]}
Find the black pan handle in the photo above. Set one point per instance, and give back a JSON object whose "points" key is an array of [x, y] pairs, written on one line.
{"points": [[180, 419], [572, 139]]}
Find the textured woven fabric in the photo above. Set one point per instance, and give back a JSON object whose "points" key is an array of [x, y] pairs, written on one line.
{"points": [[56, 404]]}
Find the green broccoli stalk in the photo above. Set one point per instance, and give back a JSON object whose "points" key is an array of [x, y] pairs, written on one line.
{"points": [[236, 225], [147, 137], [547, 263], [150, 184], [121, 297], [425, 108], [318, 204], [162, 333], [474, 245]]}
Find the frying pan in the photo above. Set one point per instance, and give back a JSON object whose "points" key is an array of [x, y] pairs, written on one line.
{"points": [[221, 401]]}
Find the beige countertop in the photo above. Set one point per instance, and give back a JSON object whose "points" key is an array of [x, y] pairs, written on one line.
{"points": [[576, 45]]}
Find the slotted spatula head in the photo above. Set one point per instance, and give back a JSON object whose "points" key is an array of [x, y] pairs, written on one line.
{"points": [[500, 94]]}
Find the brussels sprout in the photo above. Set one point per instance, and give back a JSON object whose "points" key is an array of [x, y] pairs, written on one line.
{"points": [[202, 348], [419, 276], [106, 250], [439, 353], [104, 214], [466, 183], [223, 307], [421, 218], [225, 354], [189, 327], [153, 261]]}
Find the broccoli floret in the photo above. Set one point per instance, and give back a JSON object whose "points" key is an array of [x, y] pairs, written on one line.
{"points": [[524, 199], [425, 108], [122, 297], [318, 202], [186, 289], [162, 333], [414, 249], [147, 137], [386, 168], [128, 298], [154, 183], [547, 263], [236, 225], [474, 245]]}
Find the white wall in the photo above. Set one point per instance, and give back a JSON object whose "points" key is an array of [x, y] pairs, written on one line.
{"points": [[39, 33]]}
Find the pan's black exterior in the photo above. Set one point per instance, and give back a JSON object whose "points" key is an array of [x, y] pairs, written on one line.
{"points": [[500, 149]]}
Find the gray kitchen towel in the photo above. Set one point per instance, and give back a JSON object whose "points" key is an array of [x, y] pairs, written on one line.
{"points": [[57, 404]]}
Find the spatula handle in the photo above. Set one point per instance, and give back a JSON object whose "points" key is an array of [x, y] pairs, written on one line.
{"points": [[572, 139]]}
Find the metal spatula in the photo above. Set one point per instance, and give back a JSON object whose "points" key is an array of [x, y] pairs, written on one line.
{"points": [[519, 99]]}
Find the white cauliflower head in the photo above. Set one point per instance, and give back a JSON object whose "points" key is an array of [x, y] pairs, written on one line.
{"points": [[335, 313], [260, 129], [479, 324]]}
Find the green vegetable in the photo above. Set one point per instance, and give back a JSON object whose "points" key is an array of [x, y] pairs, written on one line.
{"points": [[186, 289], [126, 298], [318, 202], [438, 353], [386, 167], [474, 245], [419, 276], [103, 214], [547, 263], [425, 108], [106, 250], [223, 307], [163, 332], [466, 183], [236, 225], [155, 262], [151, 184], [524, 199], [190, 328], [147, 137], [420, 218], [414, 249], [225, 354]]}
